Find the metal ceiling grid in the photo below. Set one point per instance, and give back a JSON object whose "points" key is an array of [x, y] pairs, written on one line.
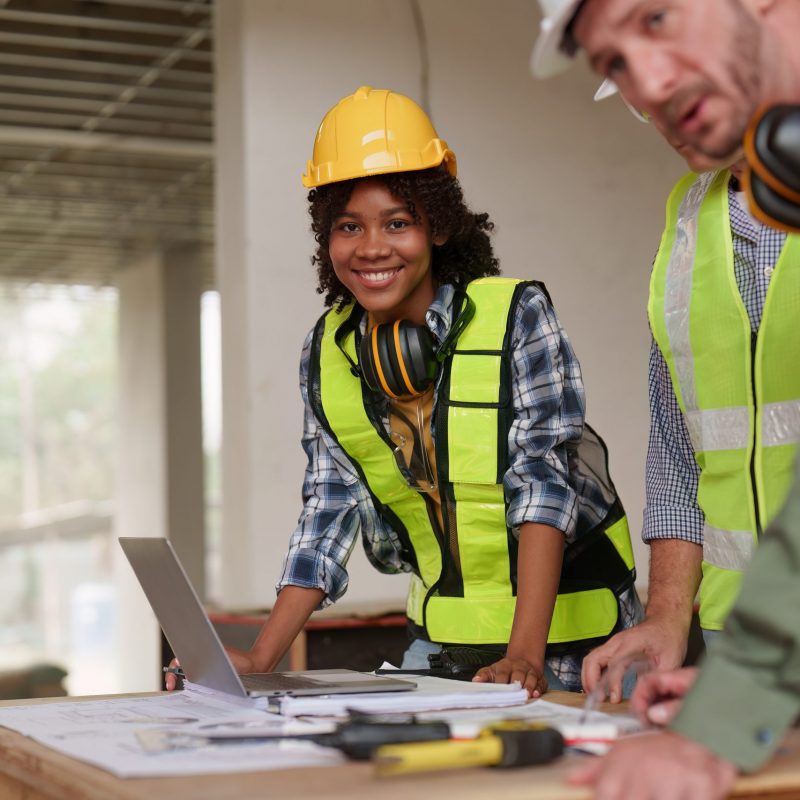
{"points": [[106, 129]]}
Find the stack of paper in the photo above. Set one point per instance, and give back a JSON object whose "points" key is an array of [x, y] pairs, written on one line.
{"points": [[431, 694]]}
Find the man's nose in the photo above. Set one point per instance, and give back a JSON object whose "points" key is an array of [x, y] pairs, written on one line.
{"points": [[653, 78]]}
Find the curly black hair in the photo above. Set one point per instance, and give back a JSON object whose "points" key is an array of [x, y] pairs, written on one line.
{"points": [[467, 254]]}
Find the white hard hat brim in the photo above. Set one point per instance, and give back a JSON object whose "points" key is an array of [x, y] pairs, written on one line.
{"points": [[547, 57], [606, 89]]}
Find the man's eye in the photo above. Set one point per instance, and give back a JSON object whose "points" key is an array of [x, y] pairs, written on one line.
{"points": [[615, 66], [655, 20]]}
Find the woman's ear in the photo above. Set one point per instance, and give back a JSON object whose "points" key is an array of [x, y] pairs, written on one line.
{"points": [[440, 239]]}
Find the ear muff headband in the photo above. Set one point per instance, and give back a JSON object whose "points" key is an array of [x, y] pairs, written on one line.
{"points": [[401, 351], [379, 363]]}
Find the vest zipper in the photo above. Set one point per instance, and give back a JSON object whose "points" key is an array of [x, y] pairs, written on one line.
{"points": [[753, 344]]}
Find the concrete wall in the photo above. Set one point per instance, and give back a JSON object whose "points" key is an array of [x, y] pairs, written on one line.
{"points": [[577, 191]]}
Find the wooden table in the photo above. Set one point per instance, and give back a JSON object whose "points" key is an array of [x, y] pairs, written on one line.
{"points": [[31, 771]]}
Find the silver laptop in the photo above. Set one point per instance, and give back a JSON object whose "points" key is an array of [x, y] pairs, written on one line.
{"points": [[195, 642]]}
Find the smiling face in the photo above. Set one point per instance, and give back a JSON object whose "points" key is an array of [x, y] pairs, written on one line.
{"points": [[692, 65], [382, 255]]}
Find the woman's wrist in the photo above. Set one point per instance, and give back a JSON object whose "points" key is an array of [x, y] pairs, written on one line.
{"points": [[535, 659]]}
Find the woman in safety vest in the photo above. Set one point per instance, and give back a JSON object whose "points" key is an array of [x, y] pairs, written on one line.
{"points": [[444, 409]]}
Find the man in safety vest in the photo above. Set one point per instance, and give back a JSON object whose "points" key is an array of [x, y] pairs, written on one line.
{"points": [[701, 70]]}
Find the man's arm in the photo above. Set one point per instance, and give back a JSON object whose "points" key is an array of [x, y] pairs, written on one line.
{"points": [[662, 637], [748, 690], [746, 695], [673, 527]]}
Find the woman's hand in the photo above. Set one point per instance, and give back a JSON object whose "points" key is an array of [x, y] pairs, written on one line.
{"points": [[507, 670], [170, 678], [243, 662]]}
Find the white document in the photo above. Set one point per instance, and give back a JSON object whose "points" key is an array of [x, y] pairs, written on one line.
{"points": [[104, 733], [431, 694], [468, 723]]}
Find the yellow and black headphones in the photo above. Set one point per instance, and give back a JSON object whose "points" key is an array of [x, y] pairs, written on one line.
{"points": [[400, 359], [772, 180]]}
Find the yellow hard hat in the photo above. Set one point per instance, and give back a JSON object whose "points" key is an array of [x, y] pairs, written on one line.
{"points": [[373, 132]]}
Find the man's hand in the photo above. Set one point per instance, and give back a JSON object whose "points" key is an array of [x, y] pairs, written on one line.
{"points": [[507, 670], [659, 695], [659, 642], [664, 766]]}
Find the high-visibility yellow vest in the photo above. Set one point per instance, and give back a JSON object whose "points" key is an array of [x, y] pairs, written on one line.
{"points": [[469, 599], [739, 393]]}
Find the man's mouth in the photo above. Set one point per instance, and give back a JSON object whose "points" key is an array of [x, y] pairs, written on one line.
{"points": [[690, 118]]}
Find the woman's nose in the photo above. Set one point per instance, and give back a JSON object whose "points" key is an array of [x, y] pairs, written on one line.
{"points": [[373, 245]]}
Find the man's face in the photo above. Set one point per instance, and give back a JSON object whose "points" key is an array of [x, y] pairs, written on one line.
{"points": [[692, 65]]}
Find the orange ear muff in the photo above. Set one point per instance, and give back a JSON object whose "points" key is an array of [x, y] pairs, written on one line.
{"points": [[772, 180], [398, 359]]}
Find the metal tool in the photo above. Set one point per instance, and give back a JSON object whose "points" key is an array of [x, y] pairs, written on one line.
{"points": [[357, 738]]}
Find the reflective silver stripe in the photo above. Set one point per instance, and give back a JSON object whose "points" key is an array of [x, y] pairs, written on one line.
{"points": [[678, 287], [780, 423], [727, 549], [719, 428]]}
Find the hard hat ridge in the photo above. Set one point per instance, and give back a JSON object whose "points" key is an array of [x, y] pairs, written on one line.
{"points": [[548, 58], [374, 132]]}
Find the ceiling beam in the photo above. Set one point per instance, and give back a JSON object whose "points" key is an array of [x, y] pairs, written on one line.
{"points": [[142, 145]]}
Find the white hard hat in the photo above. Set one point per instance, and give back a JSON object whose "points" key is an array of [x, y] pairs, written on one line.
{"points": [[548, 58]]}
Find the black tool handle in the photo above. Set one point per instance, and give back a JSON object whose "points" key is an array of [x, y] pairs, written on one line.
{"points": [[526, 748]]}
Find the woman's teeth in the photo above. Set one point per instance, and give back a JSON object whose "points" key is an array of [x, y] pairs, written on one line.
{"points": [[375, 277]]}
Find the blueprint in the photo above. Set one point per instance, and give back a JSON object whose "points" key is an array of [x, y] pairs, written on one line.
{"points": [[105, 733]]}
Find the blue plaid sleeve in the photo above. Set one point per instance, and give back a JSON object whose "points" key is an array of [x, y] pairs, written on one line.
{"points": [[329, 523], [671, 510], [549, 406]]}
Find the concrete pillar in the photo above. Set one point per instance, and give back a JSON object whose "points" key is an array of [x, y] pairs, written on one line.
{"points": [[160, 469]]}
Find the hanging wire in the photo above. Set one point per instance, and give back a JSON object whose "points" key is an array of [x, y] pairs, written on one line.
{"points": [[424, 60]]}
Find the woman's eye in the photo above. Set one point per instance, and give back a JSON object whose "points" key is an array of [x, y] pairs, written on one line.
{"points": [[348, 227], [398, 224]]}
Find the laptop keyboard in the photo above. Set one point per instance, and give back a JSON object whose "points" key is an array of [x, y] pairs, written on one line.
{"points": [[278, 682]]}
